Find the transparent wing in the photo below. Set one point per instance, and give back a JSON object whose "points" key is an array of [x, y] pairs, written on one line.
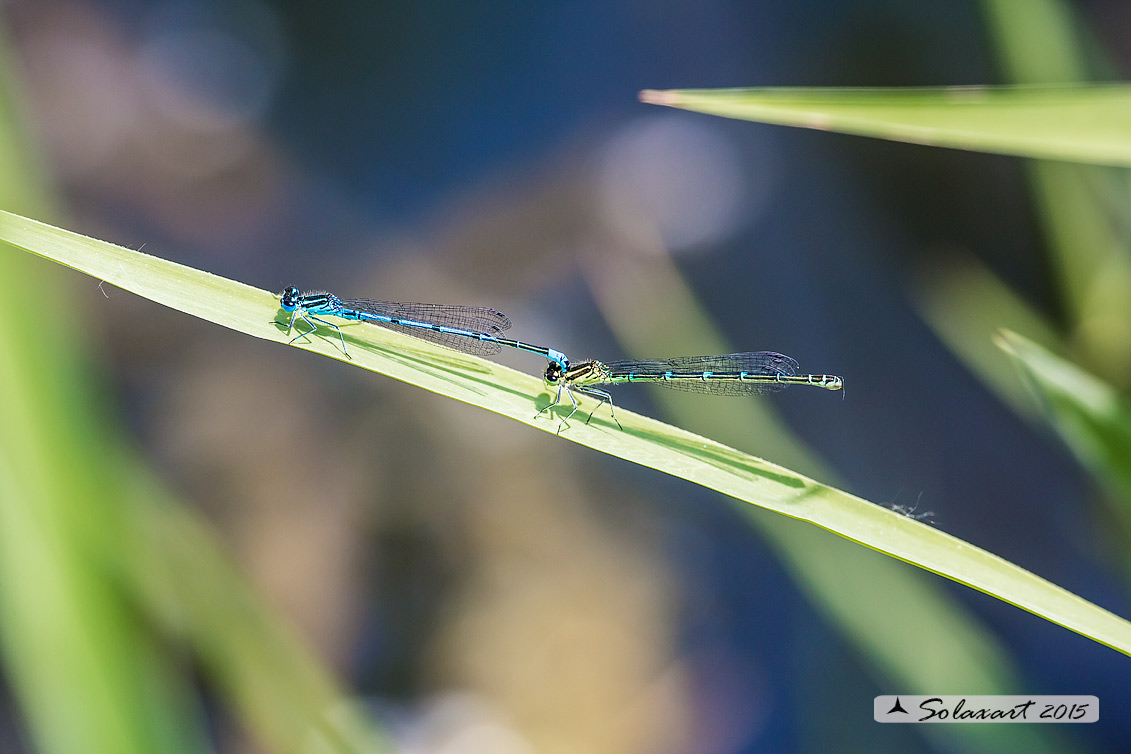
{"points": [[472, 319]]}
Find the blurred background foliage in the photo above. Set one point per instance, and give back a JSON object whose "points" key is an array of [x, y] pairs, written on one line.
{"points": [[208, 543]]}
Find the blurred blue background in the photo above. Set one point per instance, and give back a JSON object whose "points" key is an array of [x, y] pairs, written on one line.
{"points": [[486, 588]]}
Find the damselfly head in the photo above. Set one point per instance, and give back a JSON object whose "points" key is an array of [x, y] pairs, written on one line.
{"points": [[289, 298], [553, 373]]}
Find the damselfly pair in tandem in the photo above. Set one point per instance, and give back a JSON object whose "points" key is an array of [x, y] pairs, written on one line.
{"points": [[477, 330]]}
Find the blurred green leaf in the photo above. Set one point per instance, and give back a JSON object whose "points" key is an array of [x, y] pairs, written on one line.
{"points": [[1089, 415], [1080, 123], [87, 674], [643, 441], [1084, 210], [185, 583], [1037, 41], [967, 304]]}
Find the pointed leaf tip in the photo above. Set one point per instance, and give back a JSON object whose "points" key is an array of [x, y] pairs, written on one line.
{"points": [[667, 98]]}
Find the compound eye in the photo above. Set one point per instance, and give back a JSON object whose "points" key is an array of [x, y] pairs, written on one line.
{"points": [[290, 296], [553, 373]]}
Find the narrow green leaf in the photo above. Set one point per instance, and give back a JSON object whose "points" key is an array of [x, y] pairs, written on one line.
{"points": [[1084, 210], [643, 441], [177, 571], [1079, 123], [1090, 416]]}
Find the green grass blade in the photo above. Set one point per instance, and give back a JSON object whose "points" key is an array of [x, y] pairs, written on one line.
{"points": [[1088, 414], [1079, 123], [643, 441], [1038, 41], [180, 575], [1083, 209], [88, 679]]}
